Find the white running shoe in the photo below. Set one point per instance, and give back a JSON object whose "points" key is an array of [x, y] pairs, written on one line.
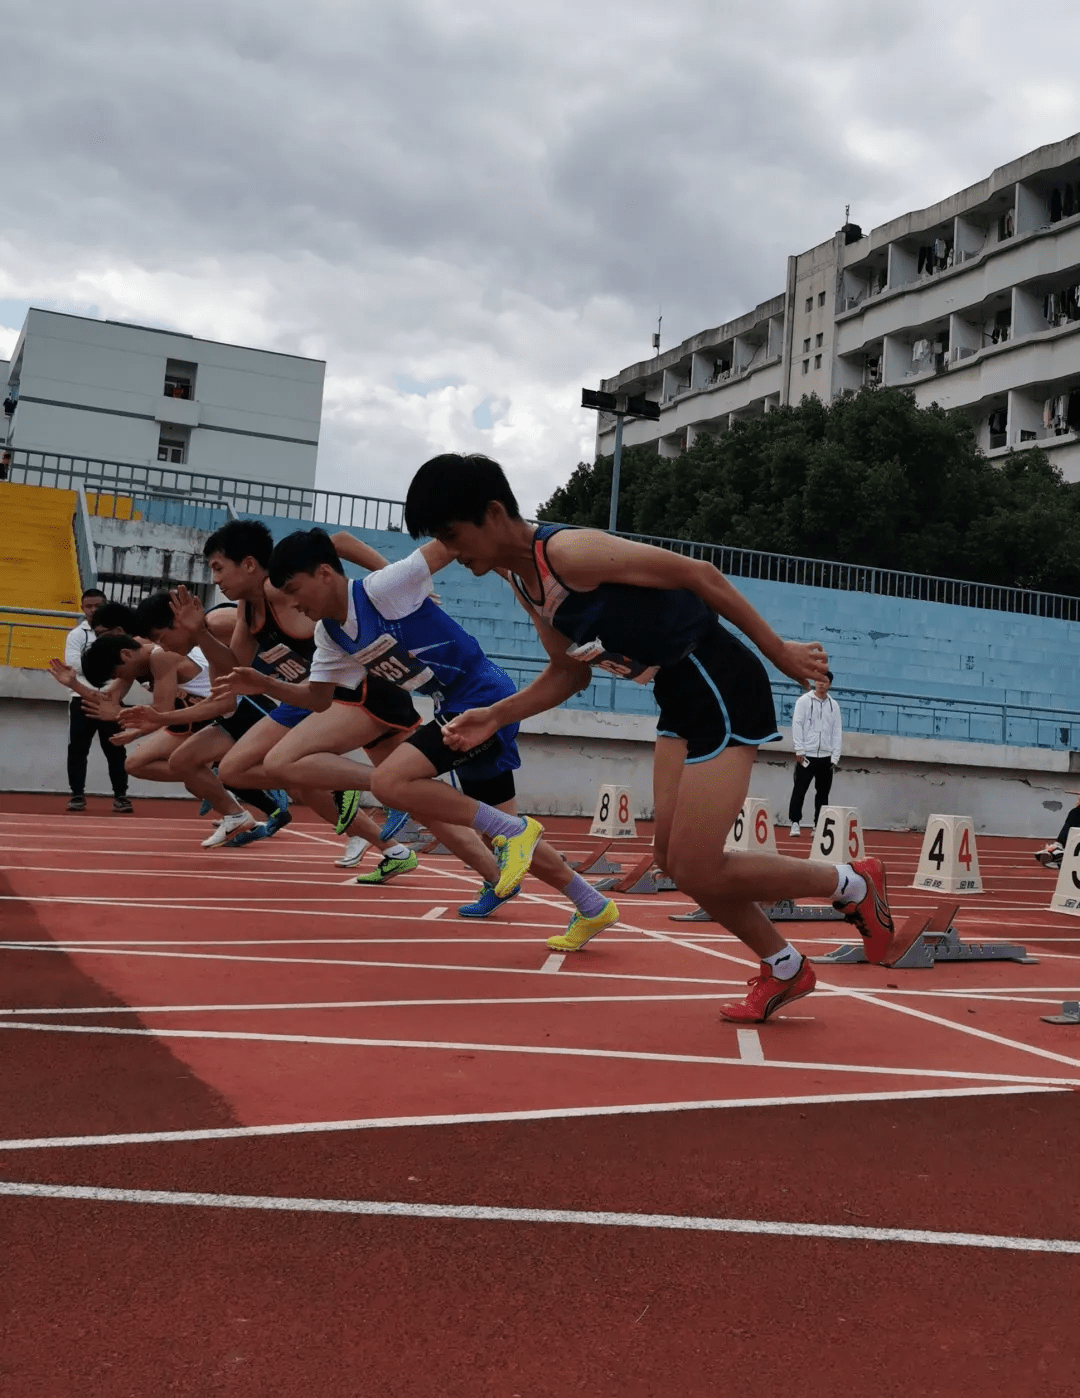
{"points": [[354, 852], [230, 826], [795, 830]]}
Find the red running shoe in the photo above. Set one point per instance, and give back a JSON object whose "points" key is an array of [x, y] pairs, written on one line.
{"points": [[872, 916], [768, 993]]}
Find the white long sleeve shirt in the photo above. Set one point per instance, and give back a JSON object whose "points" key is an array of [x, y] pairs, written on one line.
{"points": [[77, 641], [815, 727]]}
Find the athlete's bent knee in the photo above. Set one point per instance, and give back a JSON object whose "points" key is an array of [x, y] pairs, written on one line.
{"points": [[387, 787], [691, 871]]}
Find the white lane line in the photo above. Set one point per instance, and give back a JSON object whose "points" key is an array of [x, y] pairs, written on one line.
{"points": [[471, 1002], [303, 1128], [750, 1050], [60, 948], [542, 1050], [554, 961], [341, 908], [318, 839], [432, 914], [481, 1213]]}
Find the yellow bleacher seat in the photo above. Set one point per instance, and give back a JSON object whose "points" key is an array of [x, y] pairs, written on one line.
{"points": [[38, 568]]}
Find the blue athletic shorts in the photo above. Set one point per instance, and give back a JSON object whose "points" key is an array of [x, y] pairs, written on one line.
{"points": [[288, 715]]}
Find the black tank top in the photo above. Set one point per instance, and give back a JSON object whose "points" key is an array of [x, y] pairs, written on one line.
{"points": [[287, 658], [636, 629]]}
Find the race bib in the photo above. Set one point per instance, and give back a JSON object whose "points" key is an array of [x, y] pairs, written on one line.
{"points": [[282, 662], [593, 653], [388, 658]]}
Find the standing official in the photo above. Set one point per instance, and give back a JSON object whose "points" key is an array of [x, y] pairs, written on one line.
{"points": [[83, 726], [817, 736]]}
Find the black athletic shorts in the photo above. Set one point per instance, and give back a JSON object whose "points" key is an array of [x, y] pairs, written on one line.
{"points": [[718, 695], [385, 702], [486, 772], [186, 702], [250, 710]]}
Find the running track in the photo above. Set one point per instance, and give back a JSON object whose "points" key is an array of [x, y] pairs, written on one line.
{"points": [[266, 1133]]}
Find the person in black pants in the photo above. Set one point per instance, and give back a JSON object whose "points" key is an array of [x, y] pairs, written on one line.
{"points": [[82, 727], [816, 733]]}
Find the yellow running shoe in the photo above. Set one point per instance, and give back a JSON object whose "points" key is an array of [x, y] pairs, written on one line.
{"points": [[582, 929], [514, 854]]}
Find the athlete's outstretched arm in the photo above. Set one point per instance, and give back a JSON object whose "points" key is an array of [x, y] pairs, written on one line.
{"points": [[354, 550], [192, 619], [560, 679], [308, 694], [585, 558], [146, 718]]}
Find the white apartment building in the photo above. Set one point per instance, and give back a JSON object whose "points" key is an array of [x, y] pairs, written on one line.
{"points": [[973, 303], [112, 391]]}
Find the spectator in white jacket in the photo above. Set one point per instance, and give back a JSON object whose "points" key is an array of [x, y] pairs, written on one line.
{"points": [[817, 736]]}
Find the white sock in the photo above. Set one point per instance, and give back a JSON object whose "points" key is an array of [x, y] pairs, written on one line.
{"points": [[785, 964], [850, 886], [396, 852]]}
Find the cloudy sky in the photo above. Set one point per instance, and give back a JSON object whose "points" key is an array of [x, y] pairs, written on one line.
{"points": [[471, 208]]}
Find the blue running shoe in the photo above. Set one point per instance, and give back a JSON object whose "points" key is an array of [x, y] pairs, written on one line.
{"points": [[205, 808], [269, 827], [394, 821], [487, 900], [281, 798]]}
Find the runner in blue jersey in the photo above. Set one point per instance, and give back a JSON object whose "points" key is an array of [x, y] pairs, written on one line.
{"points": [[385, 628], [652, 615]]}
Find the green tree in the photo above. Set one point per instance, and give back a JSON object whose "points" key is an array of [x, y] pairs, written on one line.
{"points": [[871, 479]]}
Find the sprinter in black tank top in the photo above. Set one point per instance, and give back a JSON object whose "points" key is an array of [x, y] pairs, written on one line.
{"points": [[653, 615]]}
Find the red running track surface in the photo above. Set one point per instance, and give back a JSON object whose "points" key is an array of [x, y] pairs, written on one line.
{"points": [[268, 1104]]}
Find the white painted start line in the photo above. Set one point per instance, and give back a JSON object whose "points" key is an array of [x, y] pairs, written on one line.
{"points": [[384, 1123], [480, 1213]]}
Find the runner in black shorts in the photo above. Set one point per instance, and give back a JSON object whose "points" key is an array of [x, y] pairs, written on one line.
{"points": [[651, 615]]}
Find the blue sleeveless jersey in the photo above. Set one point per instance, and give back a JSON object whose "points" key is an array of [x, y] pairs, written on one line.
{"points": [[426, 652], [635, 629]]}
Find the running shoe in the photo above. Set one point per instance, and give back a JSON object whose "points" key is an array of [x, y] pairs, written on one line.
{"points": [[280, 798], [487, 900], [768, 993], [871, 915], [77, 803], [514, 854], [394, 822], [354, 852], [1051, 855], [388, 868], [231, 826], [205, 808], [122, 806], [347, 803], [582, 929]]}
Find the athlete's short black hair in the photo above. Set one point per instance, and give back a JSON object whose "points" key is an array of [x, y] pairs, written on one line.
{"points": [[154, 613], [453, 487], [101, 660], [302, 552], [240, 539], [114, 616], [91, 592]]}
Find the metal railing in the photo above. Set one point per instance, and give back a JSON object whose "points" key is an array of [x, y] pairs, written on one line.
{"points": [[334, 507], [246, 497], [17, 637]]}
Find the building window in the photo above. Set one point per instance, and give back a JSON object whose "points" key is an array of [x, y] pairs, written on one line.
{"points": [[809, 304], [806, 366], [172, 450], [817, 361], [819, 341], [179, 379], [806, 345], [821, 298]]}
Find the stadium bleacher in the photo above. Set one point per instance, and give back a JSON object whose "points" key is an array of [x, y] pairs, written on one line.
{"points": [[39, 569]]}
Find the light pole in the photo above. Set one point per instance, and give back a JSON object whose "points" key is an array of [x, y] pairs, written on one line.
{"points": [[622, 406]]}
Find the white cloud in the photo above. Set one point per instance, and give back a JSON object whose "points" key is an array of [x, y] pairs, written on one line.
{"points": [[490, 195]]}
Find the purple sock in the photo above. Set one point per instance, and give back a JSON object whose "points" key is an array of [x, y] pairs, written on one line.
{"points": [[584, 897], [489, 821]]}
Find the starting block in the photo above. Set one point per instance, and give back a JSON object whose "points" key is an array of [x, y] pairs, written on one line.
{"points": [[1070, 1014], [1066, 896], [838, 836], [596, 861], [752, 830], [937, 940], [614, 819], [641, 877], [784, 911], [949, 861]]}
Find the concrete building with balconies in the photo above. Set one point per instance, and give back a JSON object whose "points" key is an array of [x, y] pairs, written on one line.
{"points": [[103, 389], [973, 303]]}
